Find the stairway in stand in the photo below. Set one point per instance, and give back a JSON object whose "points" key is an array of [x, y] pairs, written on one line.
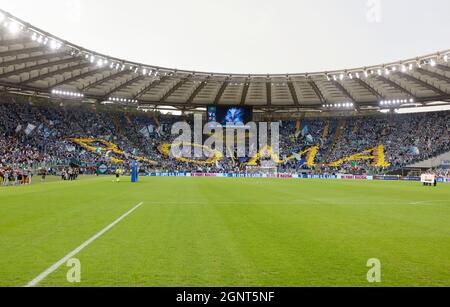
{"points": [[336, 138], [326, 131], [117, 125]]}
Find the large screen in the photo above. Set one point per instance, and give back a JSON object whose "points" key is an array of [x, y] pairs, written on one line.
{"points": [[230, 115]]}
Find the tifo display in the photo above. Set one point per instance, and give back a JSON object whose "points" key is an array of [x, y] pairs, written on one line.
{"points": [[50, 137]]}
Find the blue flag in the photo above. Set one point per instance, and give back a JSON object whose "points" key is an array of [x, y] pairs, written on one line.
{"points": [[305, 131]]}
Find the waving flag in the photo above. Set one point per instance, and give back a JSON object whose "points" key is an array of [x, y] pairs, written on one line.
{"points": [[144, 131], [297, 156], [19, 128], [305, 131], [29, 129]]}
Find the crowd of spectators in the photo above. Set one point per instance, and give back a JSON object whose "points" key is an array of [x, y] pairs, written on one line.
{"points": [[407, 138], [47, 142]]}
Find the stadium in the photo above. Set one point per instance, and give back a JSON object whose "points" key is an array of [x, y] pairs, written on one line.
{"points": [[329, 178]]}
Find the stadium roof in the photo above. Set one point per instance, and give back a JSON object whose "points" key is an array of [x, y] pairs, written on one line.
{"points": [[35, 62]]}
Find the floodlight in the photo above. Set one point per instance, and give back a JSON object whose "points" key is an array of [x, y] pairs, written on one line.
{"points": [[53, 45]]}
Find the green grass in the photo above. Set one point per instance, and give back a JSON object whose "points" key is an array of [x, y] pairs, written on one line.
{"points": [[227, 232]]}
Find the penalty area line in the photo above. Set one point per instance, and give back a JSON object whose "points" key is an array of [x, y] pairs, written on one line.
{"points": [[66, 258]]}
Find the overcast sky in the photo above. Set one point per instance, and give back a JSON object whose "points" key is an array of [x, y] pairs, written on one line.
{"points": [[246, 36]]}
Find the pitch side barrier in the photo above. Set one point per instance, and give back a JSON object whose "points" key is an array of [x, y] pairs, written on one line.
{"points": [[294, 176]]}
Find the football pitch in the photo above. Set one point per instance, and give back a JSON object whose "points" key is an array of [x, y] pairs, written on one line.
{"points": [[225, 232]]}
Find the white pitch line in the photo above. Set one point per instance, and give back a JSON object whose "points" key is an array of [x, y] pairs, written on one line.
{"points": [[428, 201], [55, 266]]}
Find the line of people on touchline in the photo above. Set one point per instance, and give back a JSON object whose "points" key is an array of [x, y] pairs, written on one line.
{"points": [[70, 174], [15, 176]]}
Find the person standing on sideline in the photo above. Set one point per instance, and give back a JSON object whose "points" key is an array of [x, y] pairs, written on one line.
{"points": [[118, 173]]}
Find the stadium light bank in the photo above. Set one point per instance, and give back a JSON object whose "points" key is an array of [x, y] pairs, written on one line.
{"points": [[16, 26]]}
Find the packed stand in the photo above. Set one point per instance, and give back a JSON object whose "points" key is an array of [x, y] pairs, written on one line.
{"points": [[38, 136]]}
